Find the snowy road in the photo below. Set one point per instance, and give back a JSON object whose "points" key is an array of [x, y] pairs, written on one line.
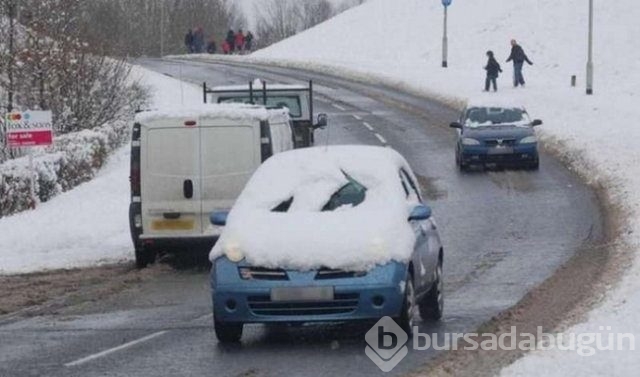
{"points": [[503, 232]]}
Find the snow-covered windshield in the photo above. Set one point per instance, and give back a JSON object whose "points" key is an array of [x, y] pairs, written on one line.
{"points": [[496, 116]]}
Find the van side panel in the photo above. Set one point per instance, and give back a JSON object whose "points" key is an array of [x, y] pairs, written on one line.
{"points": [[171, 180], [229, 156]]}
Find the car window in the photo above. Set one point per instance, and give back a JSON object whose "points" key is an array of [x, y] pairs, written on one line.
{"points": [[290, 102], [351, 194], [413, 194], [488, 116]]}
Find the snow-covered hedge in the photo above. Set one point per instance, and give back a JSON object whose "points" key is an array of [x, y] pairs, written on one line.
{"points": [[75, 158]]}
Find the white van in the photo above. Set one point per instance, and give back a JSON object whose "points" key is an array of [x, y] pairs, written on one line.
{"points": [[189, 162]]}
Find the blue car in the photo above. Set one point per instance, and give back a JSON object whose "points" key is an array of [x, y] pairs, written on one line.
{"points": [[330, 234], [502, 136]]}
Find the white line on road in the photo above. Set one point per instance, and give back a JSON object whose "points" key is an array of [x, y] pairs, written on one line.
{"points": [[319, 99], [358, 117], [115, 349], [338, 107], [382, 140], [368, 126]]}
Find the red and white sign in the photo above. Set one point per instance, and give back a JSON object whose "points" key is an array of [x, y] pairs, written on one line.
{"points": [[29, 129]]}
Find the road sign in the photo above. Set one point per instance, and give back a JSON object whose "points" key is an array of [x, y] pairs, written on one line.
{"points": [[446, 3], [29, 129]]}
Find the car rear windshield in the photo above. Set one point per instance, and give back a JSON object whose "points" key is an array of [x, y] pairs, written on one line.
{"points": [[489, 116], [290, 102]]}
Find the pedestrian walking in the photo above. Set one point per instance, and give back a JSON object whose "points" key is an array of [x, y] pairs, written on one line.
{"points": [[188, 41], [518, 57], [493, 71], [198, 40], [239, 41], [211, 46], [231, 40], [248, 41], [226, 48]]}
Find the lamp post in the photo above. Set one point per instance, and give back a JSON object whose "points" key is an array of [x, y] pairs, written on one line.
{"points": [[445, 41], [590, 53], [161, 28]]}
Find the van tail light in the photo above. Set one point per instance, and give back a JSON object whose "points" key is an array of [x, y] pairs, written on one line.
{"points": [[190, 123]]}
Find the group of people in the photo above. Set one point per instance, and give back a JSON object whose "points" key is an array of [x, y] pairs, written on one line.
{"points": [[517, 56], [235, 42]]}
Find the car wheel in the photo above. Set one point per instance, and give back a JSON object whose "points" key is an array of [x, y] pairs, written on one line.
{"points": [[227, 332], [405, 320], [144, 256], [432, 304]]}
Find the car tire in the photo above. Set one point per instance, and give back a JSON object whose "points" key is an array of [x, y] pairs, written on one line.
{"points": [[227, 332], [431, 306], [144, 256], [405, 319]]}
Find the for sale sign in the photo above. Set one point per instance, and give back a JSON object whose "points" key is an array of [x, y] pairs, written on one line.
{"points": [[29, 129]]}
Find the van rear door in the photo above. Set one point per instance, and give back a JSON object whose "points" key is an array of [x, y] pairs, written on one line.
{"points": [[230, 153], [171, 179]]}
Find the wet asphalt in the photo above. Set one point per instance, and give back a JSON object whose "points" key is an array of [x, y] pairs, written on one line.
{"points": [[504, 232]]}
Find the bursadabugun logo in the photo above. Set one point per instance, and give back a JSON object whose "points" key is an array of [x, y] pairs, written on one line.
{"points": [[386, 344]]}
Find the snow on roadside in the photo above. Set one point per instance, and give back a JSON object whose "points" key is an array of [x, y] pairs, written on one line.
{"points": [[399, 43], [87, 225]]}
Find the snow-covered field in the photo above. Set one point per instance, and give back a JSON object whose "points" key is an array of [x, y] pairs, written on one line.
{"points": [[87, 225], [399, 42]]}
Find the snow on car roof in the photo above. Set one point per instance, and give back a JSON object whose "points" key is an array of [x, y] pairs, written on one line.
{"points": [[354, 237], [495, 103], [226, 110]]}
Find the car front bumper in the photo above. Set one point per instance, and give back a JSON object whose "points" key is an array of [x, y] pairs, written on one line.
{"points": [[516, 155], [377, 294]]}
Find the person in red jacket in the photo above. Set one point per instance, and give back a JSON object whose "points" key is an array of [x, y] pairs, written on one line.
{"points": [[226, 48], [239, 41]]}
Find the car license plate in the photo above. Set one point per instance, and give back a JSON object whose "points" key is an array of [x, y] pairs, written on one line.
{"points": [[302, 294], [178, 224], [501, 150]]}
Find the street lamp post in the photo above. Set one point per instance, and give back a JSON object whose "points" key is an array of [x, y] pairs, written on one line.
{"points": [[445, 40], [590, 53], [161, 28]]}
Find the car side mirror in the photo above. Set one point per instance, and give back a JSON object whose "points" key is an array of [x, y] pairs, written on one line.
{"points": [[219, 218], [456, 125], [420, 213], [323, 120], [536, 122]]}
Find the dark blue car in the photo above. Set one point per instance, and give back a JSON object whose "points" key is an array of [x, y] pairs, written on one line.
{"points": [[503, 136], [329, 234]]}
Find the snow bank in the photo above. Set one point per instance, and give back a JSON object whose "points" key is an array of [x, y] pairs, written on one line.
{"points": [[304, 237], [89, 224], [399, 43]]}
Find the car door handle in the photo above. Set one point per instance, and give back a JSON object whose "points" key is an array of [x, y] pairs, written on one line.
{"points": [[187, 189]]}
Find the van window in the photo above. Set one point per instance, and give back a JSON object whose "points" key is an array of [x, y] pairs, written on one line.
{"points": [[291, 102]]}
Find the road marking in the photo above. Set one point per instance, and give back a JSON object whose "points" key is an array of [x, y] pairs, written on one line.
{"points": [[338, 107], [319, 99], [358, 117], [115, 349], [382, 139], [368, 126]]}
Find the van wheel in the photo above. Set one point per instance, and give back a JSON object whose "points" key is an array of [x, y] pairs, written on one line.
{"points": [[227, 332], [431, 306], [144, 257]]}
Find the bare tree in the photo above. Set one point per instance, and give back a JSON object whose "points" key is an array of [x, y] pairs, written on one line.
{"points": [[313, 13]]}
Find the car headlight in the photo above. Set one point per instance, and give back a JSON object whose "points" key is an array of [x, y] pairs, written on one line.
{"points": [[470, 141], [233, 253], [529, 140]]}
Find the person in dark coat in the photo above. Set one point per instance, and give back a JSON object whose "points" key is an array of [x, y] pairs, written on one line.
{"points": [[198, 40], [231, 40], [493, 71], [211, 46], [248, 41], [188, 41], [518, 57]]}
